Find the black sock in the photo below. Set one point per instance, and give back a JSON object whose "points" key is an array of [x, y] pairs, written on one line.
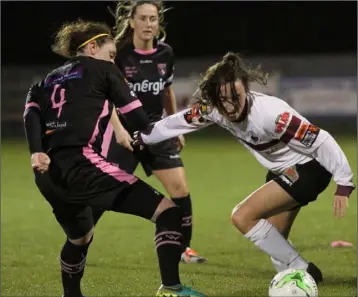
{"points": [[184, 204], [168, 245], [73, 261]]}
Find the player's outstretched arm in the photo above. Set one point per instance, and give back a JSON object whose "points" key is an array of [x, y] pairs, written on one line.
{"points": [[186, 121]]}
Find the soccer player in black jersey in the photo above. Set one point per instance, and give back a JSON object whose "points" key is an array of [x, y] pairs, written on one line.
{"points": [[148, 65], [64, 119]]}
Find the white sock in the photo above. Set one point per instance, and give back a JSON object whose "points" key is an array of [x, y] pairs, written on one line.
{"points": [[268, 239], [277, 264]]}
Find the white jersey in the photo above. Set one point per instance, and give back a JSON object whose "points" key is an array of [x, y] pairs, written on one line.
{"points": [[276, 134]]}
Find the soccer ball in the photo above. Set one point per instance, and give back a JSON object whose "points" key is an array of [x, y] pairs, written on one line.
{"points": [[293, 282]]}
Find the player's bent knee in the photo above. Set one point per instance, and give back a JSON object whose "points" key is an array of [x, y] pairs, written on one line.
{"points": [[177, 189], [83, 240], [162, 206], [241, 217]]}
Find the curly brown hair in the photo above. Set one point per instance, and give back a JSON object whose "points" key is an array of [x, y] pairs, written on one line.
{"points": [[125, 11], [228, 70], [72, 37]]}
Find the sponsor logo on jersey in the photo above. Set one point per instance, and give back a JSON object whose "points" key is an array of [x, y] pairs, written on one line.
{"points": [[129, 71], [145, 61], [310, 136], [145, 86], [301, 131], [54, 125], [64, 73], [282, 122], [162, 68]]}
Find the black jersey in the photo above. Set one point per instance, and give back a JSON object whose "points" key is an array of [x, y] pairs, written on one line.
{"points": [[75, 103], [148, 74]]}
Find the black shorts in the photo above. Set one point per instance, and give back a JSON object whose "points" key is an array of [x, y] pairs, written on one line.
{"points": [[164, 155], [76, 220], [87, 177], [304, 182], [81, 187]]}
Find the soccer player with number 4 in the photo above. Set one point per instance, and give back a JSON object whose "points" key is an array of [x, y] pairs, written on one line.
{"points": [[300, 157], [65, 118]]}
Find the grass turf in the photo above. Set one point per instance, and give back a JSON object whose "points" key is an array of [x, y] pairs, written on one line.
{"points": [[122, 260]]}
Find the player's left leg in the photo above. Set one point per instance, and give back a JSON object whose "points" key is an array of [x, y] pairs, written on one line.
{"points": [[164, 162], [283, 223], [142, 200], [307, 182], [175, 183], [250, 218]]}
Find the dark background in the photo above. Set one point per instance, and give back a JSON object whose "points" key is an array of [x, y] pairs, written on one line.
{"points": [[304, 42], [194, 28]]}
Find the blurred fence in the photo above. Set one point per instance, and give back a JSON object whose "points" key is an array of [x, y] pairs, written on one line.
{"points": [[321, 88]]}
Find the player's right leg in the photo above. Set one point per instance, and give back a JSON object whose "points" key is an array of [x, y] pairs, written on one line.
{"points": [[142, 200], [74, 250], [77, 223]]}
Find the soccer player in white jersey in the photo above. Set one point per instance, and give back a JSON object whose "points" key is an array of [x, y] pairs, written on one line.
{"points": [[301, 158]]}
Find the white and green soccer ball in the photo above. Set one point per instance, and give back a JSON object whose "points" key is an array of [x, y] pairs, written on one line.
{"points": [[293, 282]]}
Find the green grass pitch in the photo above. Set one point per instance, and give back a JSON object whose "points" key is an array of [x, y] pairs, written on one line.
{"points": [[122, 260]]}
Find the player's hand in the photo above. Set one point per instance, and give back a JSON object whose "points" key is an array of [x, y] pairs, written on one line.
{"points": [[180, 142], [340, 205], [138, 141], [40, 162], [124, 139]]}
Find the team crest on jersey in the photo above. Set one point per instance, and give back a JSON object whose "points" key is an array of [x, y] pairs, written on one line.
{"points": [[162, 68], [282, 122], [310, 135], [290, 175], [195, 114]]}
